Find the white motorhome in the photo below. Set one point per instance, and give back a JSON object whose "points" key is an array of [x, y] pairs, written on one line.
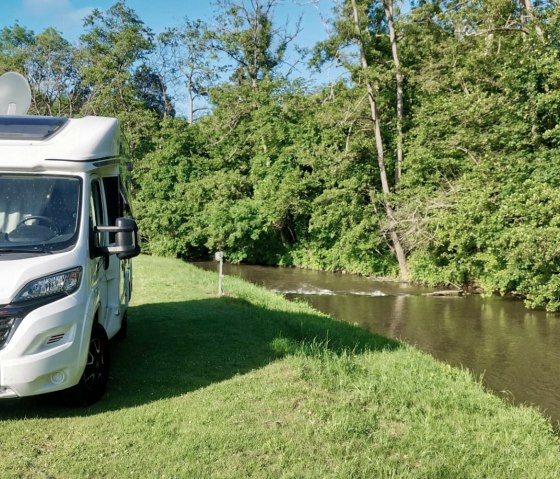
{"points": [[65, 249]]}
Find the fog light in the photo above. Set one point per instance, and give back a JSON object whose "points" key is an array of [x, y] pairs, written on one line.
{"points": [[58, 378]]}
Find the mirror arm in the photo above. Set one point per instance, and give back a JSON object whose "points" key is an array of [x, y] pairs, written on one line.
{"points": [[113, 229]]}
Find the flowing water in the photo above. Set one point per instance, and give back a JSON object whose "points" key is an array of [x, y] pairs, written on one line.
{"points": [[514, 350]]}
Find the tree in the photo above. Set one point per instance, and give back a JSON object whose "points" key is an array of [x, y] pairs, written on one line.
{"points": [[191, 62], [114, 43], [392, 229], [164, 212], [482, 169], [399, 80], [52, 70], [15, 43], [360, 25], [151, 90], [528, 15], [115, 46], [50, 64], [246, 34]]}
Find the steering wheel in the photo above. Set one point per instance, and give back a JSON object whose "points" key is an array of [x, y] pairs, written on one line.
{"points": [[45, 219]]}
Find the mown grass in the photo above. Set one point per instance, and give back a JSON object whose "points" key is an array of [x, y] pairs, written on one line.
{"points": [[250, 385]]}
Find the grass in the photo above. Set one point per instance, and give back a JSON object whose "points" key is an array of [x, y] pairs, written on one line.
{"points": [[250, 385]]}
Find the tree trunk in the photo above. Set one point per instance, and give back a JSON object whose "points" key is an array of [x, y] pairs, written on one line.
{"points": [[527, 7], [395, 241], [388, 5], [190, 96]]}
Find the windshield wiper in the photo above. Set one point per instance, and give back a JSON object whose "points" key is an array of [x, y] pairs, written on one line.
{"points": [[38, 249]]}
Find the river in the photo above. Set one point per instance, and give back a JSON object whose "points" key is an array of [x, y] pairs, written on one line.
{"points": [[515, 351]]}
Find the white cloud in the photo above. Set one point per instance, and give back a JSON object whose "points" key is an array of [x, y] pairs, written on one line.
{"points": [[40, 7], [76, 16], [60, 14]]}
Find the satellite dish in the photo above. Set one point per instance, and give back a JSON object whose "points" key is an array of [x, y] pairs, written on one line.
{"points": [[15, 94]]}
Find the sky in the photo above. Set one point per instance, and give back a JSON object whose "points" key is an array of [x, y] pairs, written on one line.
{"points": [[67, 15]]}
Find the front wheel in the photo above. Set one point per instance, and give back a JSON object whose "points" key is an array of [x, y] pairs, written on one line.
{"points": [[93, 382]]}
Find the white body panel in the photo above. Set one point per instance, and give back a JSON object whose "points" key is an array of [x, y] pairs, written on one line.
{"points": [[77, 143], [48, 350]]}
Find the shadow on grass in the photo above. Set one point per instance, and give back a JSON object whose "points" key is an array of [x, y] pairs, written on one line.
{"points": [[174, 348]]}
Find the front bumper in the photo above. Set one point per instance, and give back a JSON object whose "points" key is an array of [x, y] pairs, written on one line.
{"points": [[45, 352]]}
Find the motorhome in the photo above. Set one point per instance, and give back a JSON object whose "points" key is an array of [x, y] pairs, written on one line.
{"points": [[66, 239]]}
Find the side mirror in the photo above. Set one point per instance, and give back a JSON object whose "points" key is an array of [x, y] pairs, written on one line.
{"points": [[126, 238]]}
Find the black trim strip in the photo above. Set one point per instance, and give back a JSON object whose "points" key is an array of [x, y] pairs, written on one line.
{"points": [[112, 161], [106, 160]]}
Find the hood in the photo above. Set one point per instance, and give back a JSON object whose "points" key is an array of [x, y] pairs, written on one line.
{"points": [[15, 274]]}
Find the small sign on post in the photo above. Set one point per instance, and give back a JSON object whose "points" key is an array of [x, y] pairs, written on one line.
{"points": [[219, 256]]}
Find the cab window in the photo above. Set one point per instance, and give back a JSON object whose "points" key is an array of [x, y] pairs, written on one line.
{"points": [[97, 211]]}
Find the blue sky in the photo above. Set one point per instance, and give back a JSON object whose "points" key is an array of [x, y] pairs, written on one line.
{"points": [[66, 15]]}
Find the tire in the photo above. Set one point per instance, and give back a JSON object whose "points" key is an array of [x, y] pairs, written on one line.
{"points": [[123, 332], [93, 382]]}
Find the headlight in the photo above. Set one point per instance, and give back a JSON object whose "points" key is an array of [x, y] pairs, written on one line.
{"points": [[63, 283]]}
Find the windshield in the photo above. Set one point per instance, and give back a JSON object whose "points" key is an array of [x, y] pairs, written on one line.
{"points": [[38, 214]]}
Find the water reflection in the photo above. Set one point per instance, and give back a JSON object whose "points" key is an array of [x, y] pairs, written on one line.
{"points": [[515, 350]]}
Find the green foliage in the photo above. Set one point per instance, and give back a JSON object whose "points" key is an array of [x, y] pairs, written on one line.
{"points": [[15, 43], [51, 65], [53, 72], [501, 232], [482, 154], [282, 173], [160, 179], [245, 33], [191, 65]]}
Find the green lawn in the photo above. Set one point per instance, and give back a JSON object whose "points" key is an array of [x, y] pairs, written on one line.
{"points": [[251, 385]]}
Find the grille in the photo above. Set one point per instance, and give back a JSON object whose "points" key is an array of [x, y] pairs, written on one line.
{"points": [[6, 325], [11, 316]]}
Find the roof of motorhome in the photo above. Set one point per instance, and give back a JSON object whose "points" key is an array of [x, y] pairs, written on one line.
{"points": [[29, 141]]}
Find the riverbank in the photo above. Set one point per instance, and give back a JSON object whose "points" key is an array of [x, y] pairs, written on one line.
{"points": [[251, 385], [498, 339]]}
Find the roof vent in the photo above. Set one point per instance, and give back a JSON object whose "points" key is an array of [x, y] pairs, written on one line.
{"points": [[15, 94]]}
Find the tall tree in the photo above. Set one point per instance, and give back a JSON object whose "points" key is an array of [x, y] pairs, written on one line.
{"points": [[50, 64], [115, 45], [52, 70], [245, 33], [151, 90], [395, 240], [15, 42], [482, 168], [399, 80], [192, 63], [359, 26], [528, 14]]}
